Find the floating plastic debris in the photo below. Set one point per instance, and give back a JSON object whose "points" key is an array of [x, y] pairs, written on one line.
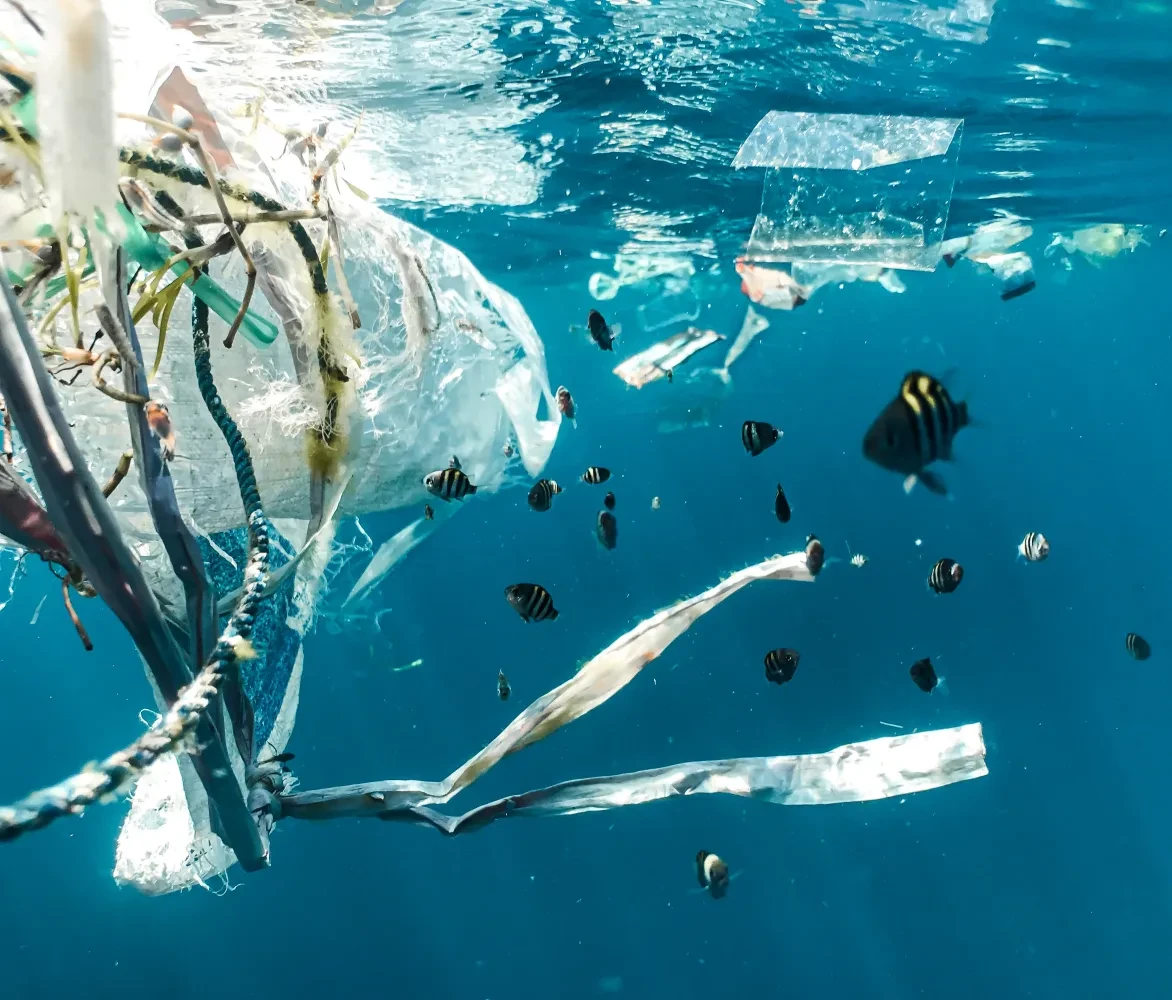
{"points": [[656, 361], [832, 193], [633, 269], [1099, 243]]}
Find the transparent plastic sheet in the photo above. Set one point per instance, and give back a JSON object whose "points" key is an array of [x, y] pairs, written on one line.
{"points": [[677, 303], [851, 189]]}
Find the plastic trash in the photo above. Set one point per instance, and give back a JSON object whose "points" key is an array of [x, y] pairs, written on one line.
{"points": [[853, 189], [659, 359], [1099, 243]]}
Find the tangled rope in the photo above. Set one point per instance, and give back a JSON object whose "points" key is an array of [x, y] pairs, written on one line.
{"points": [[102, 782]]}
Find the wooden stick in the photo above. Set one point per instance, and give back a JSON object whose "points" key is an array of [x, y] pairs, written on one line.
{"points": [[120, 473], [81, 632]]}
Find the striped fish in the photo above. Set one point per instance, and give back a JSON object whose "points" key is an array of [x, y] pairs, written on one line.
{"points": [[781, 665], [945, 576], [756, 436], [531, 601], [916, 429], [595, 474], [449, 483], [542, 494], [1034, 547], [1138, 646], [502, 686]]}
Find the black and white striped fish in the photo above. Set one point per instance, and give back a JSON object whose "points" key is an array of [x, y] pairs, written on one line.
{"points": [[712, 873], [1138, 646], [815, 555], [595, 474], [542, 494], [448, 483], [945, 576], [915, 429], [607, 529], [502, 686], [1034, 547], [781, 665], [531, 601], [756, 436]]}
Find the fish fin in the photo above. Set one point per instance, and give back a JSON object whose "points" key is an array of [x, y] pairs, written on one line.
{"points": [[615, 330], [910, 483], [941, 687], [552, 615], [454, 463], [933, 483], [471, 489], [830, 560], [574, 422]]}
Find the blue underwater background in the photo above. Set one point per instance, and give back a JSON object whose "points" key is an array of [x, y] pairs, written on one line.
{"points": [[1049, 878]]}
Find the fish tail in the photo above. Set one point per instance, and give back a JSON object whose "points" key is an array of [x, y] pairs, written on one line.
{"points": [[470, 489], [553, 613], [962, 414]]}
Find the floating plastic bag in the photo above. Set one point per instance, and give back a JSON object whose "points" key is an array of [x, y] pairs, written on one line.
{"points": [[853, 189]]}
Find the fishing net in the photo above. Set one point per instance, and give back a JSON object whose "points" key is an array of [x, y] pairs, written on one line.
{"points": [[426, 359]]}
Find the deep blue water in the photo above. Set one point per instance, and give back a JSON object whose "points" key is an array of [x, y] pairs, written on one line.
{"points": [[1049, 878]]}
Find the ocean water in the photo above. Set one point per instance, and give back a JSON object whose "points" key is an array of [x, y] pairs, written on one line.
{"points": [[1049, 878]]}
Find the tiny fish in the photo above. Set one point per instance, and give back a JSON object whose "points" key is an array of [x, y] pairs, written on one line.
{"points": [[756, 436], [407, 666], [945, 576], [595, 475], [600, 332], [915, 429], [815, 555], [655, 503], [566, 404], [502, 686], [607, 529], [159, 420], [428, 513], [859, 560], [781, 665], [542, 494], [670, 373], [1138, 646], [1034, 547], [449, 482], [924, 675], [531, 601], [608, 501], [507, 450], [712, 873], [278, 758], [781, 506]]}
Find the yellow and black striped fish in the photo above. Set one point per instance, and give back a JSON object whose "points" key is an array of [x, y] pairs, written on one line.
{"points": [[448, 483], [542, 494], [915, 429], [1138, 646], [531, 601], [595, 474], [945, 576]]}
